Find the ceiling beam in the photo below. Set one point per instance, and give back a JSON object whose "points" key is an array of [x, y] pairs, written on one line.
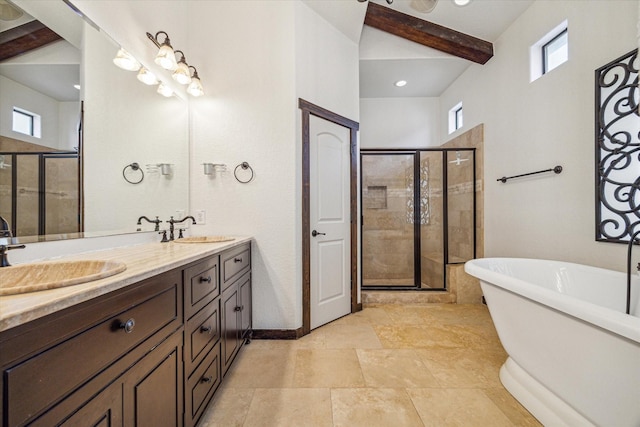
{"points": [[428, 34], [26, 37]]}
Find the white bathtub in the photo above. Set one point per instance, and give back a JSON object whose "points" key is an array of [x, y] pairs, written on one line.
{"points": [[574, 355]]}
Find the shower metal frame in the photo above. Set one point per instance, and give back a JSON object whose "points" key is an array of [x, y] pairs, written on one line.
{"points": [[417, 265]]}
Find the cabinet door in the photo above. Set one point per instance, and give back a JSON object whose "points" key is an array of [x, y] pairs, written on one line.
{"points": [[104, 410], [230, 325], [245, 305], [153, 387]]}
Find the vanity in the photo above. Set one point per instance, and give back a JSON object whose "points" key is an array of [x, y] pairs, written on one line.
{"points": [[148, 347]]}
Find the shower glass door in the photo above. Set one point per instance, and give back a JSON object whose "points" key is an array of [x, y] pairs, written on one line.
{"points": [[388, 211]]}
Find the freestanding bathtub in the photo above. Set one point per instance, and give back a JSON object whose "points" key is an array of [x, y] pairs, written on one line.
{"points": [[574, 355]]}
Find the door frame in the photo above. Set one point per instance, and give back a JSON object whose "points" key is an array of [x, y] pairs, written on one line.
{"points": [[307, 110]]}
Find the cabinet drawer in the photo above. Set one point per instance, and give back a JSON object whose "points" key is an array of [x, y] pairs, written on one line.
{"points": [[202, 384], [203, 330], [201, 284], [235, 262], [40, 381]]}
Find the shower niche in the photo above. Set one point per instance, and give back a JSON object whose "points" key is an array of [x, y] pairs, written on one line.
{"points": [[418, 216]]}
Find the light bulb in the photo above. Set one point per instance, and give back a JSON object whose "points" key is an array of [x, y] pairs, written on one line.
{"points": [[166, 58], [165, 90], [147, 77], [126, 61], [182, 74], [195, 87]]}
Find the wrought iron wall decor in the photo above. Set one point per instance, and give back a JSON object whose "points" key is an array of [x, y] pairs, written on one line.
{"points": [[617, 149]]}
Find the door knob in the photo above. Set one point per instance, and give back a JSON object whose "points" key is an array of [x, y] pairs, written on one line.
{"points": [[314, 233]]}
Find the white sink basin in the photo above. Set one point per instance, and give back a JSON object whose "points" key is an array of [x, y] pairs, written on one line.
{"points": [[40, 276]]}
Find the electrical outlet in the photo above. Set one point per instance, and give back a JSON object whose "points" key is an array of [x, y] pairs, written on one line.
{"points": [[201, 217]]}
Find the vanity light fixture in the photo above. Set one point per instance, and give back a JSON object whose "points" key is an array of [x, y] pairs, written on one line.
{"points": [[147, 77], [461, 2], [126, 61], [165, 90], [195, 87], [400, 83], [182, 74], [166, 57]]}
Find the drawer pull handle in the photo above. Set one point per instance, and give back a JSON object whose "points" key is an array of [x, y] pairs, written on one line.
{"points": [[205, 279], [204, 329], [206, 379], [128, 325], [238, 308], [237, 260]]}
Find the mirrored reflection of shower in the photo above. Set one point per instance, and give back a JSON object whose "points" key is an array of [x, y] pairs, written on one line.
{"points": [[411, 228]]}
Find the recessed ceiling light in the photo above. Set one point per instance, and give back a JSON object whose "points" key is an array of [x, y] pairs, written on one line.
{"points": [[461, 2], [400, 83]]}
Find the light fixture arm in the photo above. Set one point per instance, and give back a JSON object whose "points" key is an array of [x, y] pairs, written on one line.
{"points": [[154, 39], [195, 72], [183, 59]]}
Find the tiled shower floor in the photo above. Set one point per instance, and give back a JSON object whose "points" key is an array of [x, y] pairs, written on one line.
{"points": [[388, 365]]}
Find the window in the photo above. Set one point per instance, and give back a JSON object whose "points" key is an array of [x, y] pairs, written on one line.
{"points": [[550, 51], [555, 52], [26, 122], [455, 118]]}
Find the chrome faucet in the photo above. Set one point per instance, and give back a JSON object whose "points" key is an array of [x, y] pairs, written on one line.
{"points": [[631, 243], [173, 221], [5, 231], [155, 221]]}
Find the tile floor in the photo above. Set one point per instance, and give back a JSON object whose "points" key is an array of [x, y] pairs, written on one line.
{"points": [[388, 365]]}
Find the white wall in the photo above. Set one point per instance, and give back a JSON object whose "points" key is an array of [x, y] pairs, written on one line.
{"points": [[255, 59], [534, 126], [400, 122]]}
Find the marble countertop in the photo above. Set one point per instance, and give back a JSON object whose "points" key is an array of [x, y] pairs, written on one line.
{"points": [[143, 261]]}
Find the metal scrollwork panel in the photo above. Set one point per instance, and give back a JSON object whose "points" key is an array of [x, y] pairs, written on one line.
{"points": [[617, 149]]}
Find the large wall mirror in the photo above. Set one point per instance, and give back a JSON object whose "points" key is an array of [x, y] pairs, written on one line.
{"points": [[65, 150]]}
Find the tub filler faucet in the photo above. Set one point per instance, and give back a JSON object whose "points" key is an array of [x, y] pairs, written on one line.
{"points": [[5, 232], [173, 221]]}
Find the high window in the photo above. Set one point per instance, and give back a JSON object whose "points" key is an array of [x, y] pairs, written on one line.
{"points": [[26, 122], [455, 118], [550, 51]]}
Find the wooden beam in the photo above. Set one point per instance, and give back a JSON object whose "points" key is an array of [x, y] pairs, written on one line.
{"points": [[428, 34], [19, 40]]}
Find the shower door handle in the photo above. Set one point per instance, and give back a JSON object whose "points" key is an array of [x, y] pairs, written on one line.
{"points": [[314, 233]]}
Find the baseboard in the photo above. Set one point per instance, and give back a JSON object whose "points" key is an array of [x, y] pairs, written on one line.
{"points": [[277, 334], [356, 307]]}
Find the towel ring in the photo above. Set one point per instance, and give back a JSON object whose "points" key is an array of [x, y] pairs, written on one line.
{"points": [[244, 166], [135, 167]]}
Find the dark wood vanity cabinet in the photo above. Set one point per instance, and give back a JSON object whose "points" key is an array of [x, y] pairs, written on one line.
{"points": [[150, 354]]}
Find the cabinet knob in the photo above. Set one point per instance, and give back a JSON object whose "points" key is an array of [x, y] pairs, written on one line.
{"points": [[128, 325], [238, 308], [205, 279], [204, 329], [206, 379], [237, 260]]}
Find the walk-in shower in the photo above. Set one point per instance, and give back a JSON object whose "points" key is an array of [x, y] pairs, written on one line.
{"points": [[418, 216]]}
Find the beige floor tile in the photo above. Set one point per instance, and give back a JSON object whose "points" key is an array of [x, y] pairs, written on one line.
{"points": [[367, 316], [457, 407], [464, 367], [290, 407], [373, 407], [394, 369], [262, 368], [405, 336], [516, 413], [413, 315], [229, 408], [328, 368], [350, 336]]}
